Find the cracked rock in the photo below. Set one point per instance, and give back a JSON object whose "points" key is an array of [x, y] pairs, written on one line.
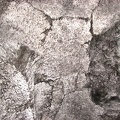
{"points": [[72, 8], [59, 60]]}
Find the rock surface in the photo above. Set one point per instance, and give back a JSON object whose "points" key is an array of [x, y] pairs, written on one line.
{"points": [[59, 60]]}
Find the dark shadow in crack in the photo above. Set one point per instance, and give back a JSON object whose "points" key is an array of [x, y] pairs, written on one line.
{"points": [[104, 73], [24, 56]]}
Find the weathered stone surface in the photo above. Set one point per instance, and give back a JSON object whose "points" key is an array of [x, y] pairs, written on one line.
{"points": [[14, 93], [59, 60], [59, 8], [78, 106], [106, 15]]}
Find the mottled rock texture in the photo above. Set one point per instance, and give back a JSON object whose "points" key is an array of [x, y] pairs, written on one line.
{"points": [[59, 59]]}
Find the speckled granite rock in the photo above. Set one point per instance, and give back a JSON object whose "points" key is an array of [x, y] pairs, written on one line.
{"points": [[59, 60]]}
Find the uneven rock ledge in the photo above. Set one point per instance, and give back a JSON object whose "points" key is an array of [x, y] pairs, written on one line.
{"points": [[59, 59]]}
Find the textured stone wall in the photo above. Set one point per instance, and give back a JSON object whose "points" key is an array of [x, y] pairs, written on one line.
{"points": [[59, 59]]}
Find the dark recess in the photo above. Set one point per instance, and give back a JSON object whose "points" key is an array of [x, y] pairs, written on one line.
{"points": [[104, 74]]}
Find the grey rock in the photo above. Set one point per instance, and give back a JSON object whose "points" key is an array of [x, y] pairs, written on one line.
{"points": [[59, 60]]}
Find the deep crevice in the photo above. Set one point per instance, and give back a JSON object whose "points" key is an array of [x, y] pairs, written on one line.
{"points": [[40, 78], [91, 19], [103, 73]]}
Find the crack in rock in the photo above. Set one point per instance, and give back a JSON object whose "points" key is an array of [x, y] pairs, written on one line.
{"points": [[50, 20], [91, 21], [64, 56], [59, 18], [39, 78]]}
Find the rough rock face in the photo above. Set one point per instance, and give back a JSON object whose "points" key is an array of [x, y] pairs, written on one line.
{"points": [[59, 60]]}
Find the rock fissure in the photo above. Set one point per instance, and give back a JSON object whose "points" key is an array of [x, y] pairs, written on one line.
{"points": [[91, 19], [58, 61]]}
